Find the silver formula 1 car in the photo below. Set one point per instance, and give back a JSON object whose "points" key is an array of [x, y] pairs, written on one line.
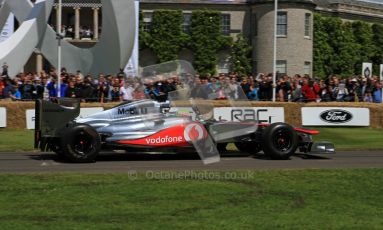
{"points": [[149, 125], [154, 126]]}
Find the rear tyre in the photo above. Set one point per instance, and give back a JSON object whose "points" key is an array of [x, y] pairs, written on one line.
{"points": [[280, 141], [55, 146], [248, 147], [81, 144]]}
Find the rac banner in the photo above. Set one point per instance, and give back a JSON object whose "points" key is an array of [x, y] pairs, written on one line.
{"points": [[335, 116], [263, 115]]}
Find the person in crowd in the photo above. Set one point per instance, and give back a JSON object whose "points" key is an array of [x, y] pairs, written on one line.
{"points": [[40, 88], [377, 92], [138, 93], [5, 69], [215, 85], [283, 88], [102, 89], [115, 95], [2, 86], [27, 89], [253, 92], [326, 93], [296, 91], [166, 87], [198, 90], [245, 85], [87, 91], [8, 88], [310, 90], [266, 88], [151, 91], [368, 97], [72, 91], [126, 91], [15, 94], [341, 92]]}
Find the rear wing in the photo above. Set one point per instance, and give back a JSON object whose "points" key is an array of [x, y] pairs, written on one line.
{"points": [[52, 117]]}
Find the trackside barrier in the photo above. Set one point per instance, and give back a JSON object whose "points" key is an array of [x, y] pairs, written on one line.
{"points": [[16, 111]]}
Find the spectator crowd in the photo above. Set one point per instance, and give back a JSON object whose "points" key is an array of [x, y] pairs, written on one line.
{"points": [[85, 32], [118, 87]]}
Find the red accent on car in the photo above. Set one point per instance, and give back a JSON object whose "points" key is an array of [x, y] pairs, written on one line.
{"points": [[170, 137], [307, 131]]}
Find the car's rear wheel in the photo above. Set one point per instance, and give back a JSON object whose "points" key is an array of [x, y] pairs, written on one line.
{"points": [[248, 147], [81, 144], [280, 141], [55, 146]]}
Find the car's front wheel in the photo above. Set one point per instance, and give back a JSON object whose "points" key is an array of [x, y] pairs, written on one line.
{"points": [[81, 143], [279, 141]]}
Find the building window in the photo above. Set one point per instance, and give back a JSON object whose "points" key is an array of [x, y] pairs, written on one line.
{"points": [[226, 24], [186, 25], [281, 67], [307, 68], [282, 24], [307, 25], [147, 20]]}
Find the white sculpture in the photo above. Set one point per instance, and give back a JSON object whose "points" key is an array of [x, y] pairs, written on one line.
{"points": [[111, 53]]}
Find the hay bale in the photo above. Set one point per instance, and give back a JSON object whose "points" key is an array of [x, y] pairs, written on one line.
{"points": [[16, 110]]}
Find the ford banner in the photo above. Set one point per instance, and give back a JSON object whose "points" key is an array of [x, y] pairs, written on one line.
{"points": [[335, 116]]}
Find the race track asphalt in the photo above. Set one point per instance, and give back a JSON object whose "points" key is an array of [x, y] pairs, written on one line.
{"points": [[144, 162]]}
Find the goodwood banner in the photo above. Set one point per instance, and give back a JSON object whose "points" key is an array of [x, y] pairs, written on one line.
{"points": [[335, 116], [367, 70]]}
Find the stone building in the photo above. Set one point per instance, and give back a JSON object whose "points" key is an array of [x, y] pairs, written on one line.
{"points": [[253, 18]]}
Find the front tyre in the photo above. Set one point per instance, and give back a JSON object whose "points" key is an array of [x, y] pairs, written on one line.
{"points": [[81, 144], [280, 141]]}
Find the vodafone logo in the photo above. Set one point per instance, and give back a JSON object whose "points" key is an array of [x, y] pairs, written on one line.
{"points": [[194, 132], [164, 140]]}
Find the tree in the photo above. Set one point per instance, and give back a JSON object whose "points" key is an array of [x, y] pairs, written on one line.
{"points": [[346, 52], [377, 30], [241, 56], [166, 35], [336, 49], [144, 36], [206, 40], [322, 50], [365, 46]]}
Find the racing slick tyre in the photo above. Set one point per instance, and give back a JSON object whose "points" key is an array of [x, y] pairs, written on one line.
{"points": [[248, 147], [279, 141], [55, 147], [81, 144]]}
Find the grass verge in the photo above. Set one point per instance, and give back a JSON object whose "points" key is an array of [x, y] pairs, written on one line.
{"points": [[343, 138], [352, 138], [292, 199], [16, 140]]}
